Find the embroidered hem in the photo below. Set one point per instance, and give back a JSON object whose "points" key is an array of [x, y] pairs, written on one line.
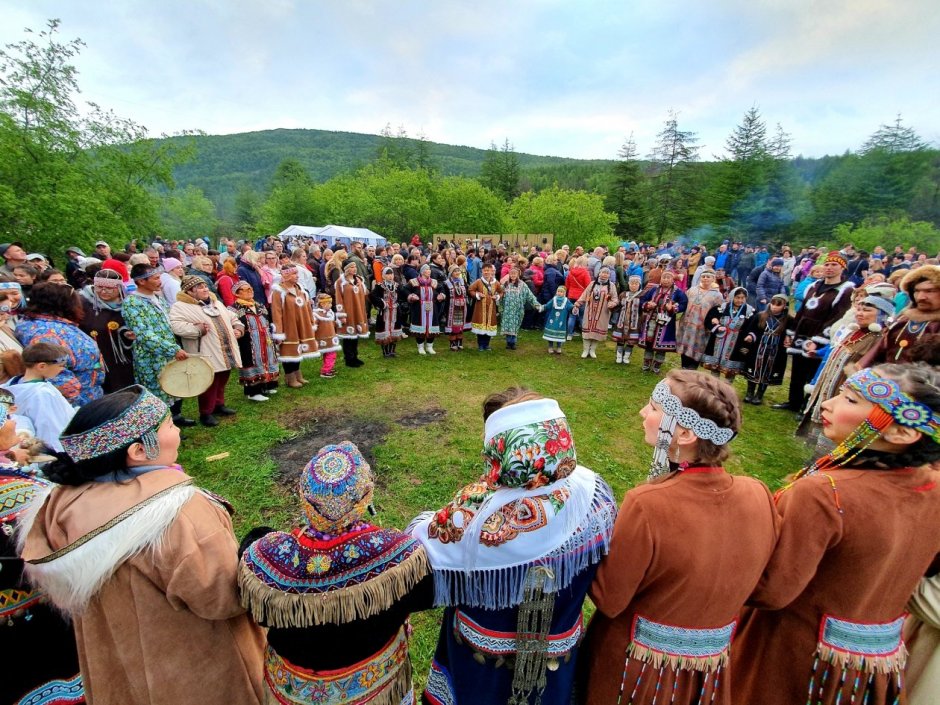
{"points": [[496, 644], [677, 647], [383, 679], [870, 648], [56, 692]]}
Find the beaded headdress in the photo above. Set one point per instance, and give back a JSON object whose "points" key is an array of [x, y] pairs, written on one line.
{"points": [[892, 405], [138, 422], [675, 414], [337, 487], [148, 272], [836, 256]]}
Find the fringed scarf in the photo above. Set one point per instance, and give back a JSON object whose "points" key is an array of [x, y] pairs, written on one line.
{"points": [[533, 506]]}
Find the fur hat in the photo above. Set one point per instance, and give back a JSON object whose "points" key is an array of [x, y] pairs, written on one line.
{"points": [[927, 273], [190, 282], [337, 487]]}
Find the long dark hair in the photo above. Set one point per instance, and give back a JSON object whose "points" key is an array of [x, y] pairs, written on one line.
{"points": [[51, 299], [66, 471]]}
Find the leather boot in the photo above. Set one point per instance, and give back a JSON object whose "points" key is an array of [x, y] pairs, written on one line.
{"points": [[300, 377], [749, 397], [292, 381], [592, 349], [421, 349]]}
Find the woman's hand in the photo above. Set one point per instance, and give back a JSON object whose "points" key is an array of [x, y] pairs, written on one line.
{"points": [[181, 355]]}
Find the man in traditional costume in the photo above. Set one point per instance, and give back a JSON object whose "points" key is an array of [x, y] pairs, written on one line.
{"points": [[336, 593], [147, 316], [513, 555], [918, 321], [386, 296], [826, 301], [860, 527], [102, 302], [424, 298], [486, 291], [688, 548], [350, 299], [692, 333], [662, 304]]}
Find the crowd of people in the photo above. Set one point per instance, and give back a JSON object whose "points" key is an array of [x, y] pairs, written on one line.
{"points": [[128, 580]]}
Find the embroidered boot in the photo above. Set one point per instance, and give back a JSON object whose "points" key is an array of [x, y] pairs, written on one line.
{"points": [[421, 349]]}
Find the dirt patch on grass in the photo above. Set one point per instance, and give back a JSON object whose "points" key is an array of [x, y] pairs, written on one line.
{"points": [[422, 418], [318, 428]]}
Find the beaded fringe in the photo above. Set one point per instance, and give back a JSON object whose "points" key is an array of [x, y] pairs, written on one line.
{"points": [[891, 663], [276, 608], [673, 662], [501, 588]]}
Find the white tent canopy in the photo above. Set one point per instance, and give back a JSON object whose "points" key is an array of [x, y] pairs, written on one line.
{"points": [[333, 234]]}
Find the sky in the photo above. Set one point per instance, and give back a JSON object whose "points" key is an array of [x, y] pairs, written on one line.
{"points": [[570, 78]]}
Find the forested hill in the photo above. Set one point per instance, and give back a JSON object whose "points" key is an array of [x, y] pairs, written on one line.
{"points": [[223, 164]]}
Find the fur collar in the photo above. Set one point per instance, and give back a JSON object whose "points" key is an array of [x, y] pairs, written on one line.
{"points": [[72, 576], [912, 314]]}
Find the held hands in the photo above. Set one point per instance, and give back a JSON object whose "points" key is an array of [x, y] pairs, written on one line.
{"points": [[204, 327], [478, 295], [440, 297], [413, 297]]}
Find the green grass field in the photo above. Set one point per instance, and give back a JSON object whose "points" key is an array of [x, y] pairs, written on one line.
{"points": [[418, 420]]}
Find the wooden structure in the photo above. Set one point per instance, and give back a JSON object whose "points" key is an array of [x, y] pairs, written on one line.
{"points": [[514, 242]]}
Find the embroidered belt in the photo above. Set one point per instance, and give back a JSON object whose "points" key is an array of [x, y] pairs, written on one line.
{"points": [[15, 602], [499, 645], [383, 678], [866, 646], [686, 647]]}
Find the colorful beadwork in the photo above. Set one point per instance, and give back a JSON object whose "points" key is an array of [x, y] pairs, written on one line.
{"points": [[686, 642], [361, 683], [15, 495], [887, 394], [439, 690], [496, 643], [297, 564], [336, 487], [141, 419], [57, 692], [862, 639]]}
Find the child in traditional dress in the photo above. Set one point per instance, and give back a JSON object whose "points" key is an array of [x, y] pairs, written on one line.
{"points": [[556, 320], [626, 331], [727, 321], [324, 320], [765, 358]]}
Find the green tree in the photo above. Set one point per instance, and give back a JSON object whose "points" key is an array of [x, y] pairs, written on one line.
{"points": [[462, 205], [888, 232], [500, 170], [575, 217], [187, 213], [71, 176], [396, 148], [673, 187], [626, 195]]}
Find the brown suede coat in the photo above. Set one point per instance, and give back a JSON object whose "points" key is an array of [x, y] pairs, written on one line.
{"points": [[166, 627]]}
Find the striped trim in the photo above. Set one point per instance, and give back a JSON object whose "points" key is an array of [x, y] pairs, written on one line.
{"points": [[56, 692], [494, 643], [872, 640]]}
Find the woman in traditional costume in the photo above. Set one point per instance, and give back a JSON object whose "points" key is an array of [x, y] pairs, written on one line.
{"points": [[45, 668], [209, 329], [597, 300], [424, 298], [687, 550], [513, 555], [626, 332], [350, 299], [922, 636], [486, 291], [292, 326], [455, 307], [692, 332], [52, 316], [557, 309], [860, 527], [104, 322], [765, 356], [516, 298], [385, 297], [661, 304], [727, 325], [143, 562], [258, 373], [335, 593], [841, 357]]}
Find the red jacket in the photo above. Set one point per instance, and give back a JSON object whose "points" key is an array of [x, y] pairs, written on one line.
{"points": [[577, 281]]}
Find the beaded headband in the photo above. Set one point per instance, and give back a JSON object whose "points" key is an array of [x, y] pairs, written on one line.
{"points": [[887, 394], [147, 273], [10, 285], [139, 421], [675, 414]]}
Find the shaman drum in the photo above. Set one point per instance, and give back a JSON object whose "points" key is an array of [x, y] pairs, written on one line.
{"points": [[187, 378]]}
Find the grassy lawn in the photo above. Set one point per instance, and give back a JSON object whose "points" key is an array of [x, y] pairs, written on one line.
{"points": [[419, 422]]}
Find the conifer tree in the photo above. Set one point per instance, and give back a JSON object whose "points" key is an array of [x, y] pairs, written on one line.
{"points": [[500, 170], [672, 197], [625, 198]]}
